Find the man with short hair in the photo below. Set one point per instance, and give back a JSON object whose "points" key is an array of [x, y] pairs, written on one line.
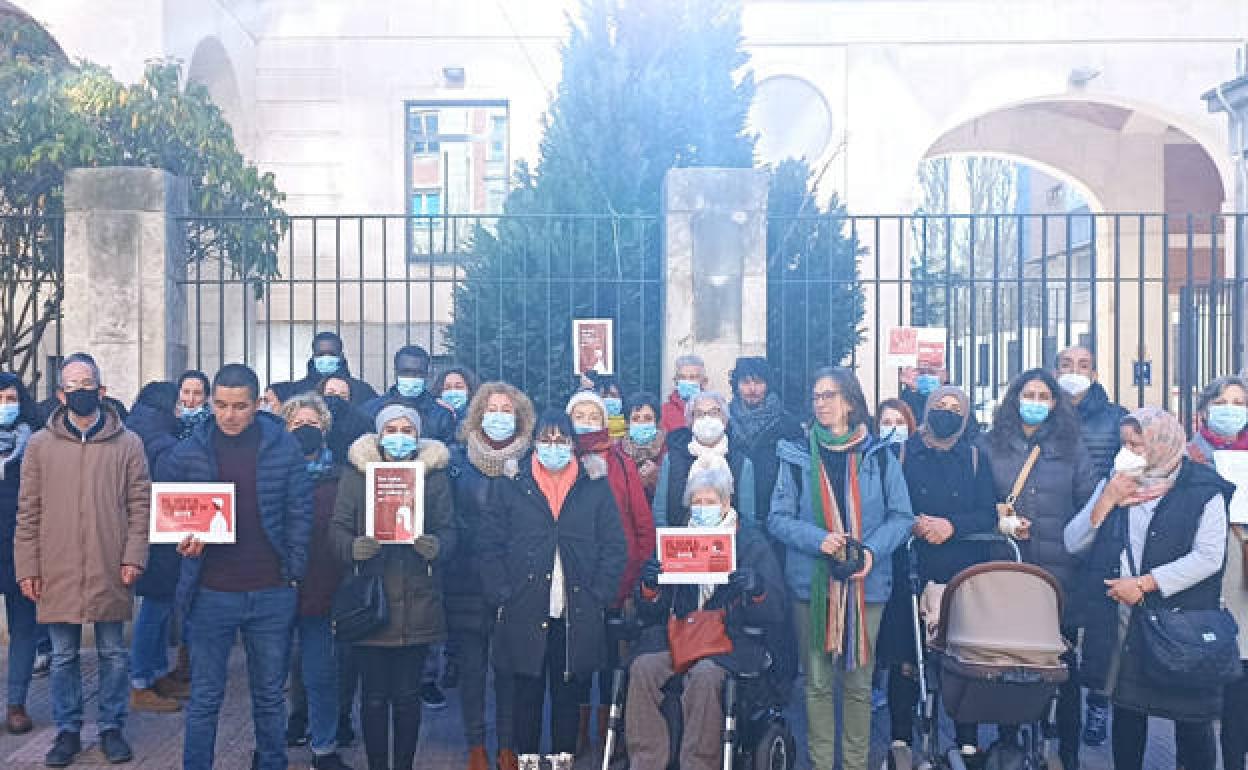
{"points": [[1099, 423], [690, 380], [328, 361], [249, 586], [412, 370], [79, 548]]}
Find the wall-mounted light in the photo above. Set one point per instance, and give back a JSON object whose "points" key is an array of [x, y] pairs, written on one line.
{"points": [[453, 77]]}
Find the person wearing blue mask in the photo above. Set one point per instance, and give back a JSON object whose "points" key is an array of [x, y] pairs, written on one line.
{"points": [[917, 385], [645, 442], [552, 553], [413, 387], [193, 407], [455, 387], [328, 360], [392, 659], [607, 386], [690, 380], [1036, 446]]}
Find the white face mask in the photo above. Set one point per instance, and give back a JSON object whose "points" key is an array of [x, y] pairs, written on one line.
{"points": [[708, 430], [1074, 384], [1129, 463]]}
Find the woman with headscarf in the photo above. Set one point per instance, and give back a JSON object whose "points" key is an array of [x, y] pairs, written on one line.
{"points": [[952, 494], [1157, 530], [699, 446]]}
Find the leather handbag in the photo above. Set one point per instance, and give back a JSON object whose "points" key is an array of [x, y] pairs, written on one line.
{"points": [[698, 635], [360, 608], [1186, 649]]}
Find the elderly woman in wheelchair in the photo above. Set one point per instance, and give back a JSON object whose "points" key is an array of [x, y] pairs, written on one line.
{"points": [[693, 637]]}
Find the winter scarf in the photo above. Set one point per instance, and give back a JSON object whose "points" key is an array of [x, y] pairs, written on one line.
{"points": [[749, 422], [493, 461], [1239, 442], [322, 466], [705, 457], [13, 442], [187, 425], [598, 442], [838, 608], [707, 590]]}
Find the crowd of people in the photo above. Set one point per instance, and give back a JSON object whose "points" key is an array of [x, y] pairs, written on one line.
{"points": [[538, 543]]}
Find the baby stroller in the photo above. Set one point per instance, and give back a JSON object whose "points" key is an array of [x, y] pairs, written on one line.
{"points": [[995, 651], [755, 735]]}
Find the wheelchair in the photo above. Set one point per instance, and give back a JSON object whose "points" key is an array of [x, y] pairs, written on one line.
{"points": [[755, 733]]}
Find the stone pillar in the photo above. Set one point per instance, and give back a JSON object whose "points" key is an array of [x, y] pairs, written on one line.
{"points": [[124, 255], [715, 248]]}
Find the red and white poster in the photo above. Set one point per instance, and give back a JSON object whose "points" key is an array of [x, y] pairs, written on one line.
{"points": [[701, 555], [203, 510], [592, 345], [395, 511], [916, 346]]}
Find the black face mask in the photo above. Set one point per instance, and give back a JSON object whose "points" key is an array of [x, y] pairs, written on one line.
{"points": [[310, 439], [943, 423], [335, 403], [83, 403]]}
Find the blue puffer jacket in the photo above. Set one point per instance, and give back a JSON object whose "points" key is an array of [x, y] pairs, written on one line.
{"points": [[886, 516], [1099, 422], [157, 428], [283, 486]]}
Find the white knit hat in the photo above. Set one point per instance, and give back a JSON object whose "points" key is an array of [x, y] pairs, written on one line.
{"points": [[581, 396]]}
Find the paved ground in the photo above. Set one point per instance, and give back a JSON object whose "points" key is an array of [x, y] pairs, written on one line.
{"points": [[157, 739]]}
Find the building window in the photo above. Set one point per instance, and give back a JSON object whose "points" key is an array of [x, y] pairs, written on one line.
{"points": [[427, 203], [498, 138], [422, 131]]}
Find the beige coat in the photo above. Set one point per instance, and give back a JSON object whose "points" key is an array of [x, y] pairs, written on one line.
{"points": [[82, 513], [1234, 585]]}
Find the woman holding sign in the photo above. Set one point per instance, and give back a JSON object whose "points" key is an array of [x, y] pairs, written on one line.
{"points": [[1223, 412], [752, 595], [392, 660], [552, 552], [840, 487]]}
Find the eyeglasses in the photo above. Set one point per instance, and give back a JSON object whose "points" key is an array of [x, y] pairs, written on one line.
{"points": [[73, 385], [716, 412], [827, 395]]}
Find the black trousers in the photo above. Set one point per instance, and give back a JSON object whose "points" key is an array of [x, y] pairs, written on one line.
{"points": [[565, 699], [392, 679], [1193, 741], [1235, 722]]}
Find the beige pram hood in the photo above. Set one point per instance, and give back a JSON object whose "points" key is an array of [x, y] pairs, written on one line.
{"points": [[1002, 614]]}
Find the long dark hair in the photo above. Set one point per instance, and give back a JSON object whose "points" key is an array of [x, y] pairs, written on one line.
{"points": [[1061, 423], [27, 412], [851, 391]]}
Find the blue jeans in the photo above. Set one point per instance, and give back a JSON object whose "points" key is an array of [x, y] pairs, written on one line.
{"points": [[149, 648], [20, 613], [264, 618], [66, 676], [314, 683]]}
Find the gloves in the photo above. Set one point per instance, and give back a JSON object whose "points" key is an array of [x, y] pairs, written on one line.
{"points": [[746, 581], [650, 574], [427, 546], [364, 548]]}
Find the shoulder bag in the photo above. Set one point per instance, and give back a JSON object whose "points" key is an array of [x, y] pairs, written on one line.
{"points": [[700, 634], [1007, 515], [360, 608]]}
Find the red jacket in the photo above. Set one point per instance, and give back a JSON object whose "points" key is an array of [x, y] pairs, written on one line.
{"points": [[630, 497], [673, 417]]}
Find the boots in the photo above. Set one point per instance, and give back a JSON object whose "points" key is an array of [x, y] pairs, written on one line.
{"points": [[478, 759], [17, 721], [583, 744], [150, 700], [169, 686], [507, 760]]}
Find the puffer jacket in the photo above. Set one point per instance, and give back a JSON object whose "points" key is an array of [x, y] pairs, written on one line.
{"points": [[886, 516], [1099, 423], [412, 584], [283, 487], [437, 420], [158, 430], [1057, 488], [519, 537]]}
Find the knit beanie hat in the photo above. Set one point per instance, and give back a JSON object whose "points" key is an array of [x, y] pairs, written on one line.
{"points": [[393, 412], [582, 396]]}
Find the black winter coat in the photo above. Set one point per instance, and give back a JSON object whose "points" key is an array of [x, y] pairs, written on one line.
{"points": [[350, 422], [158, 429], [463, 592], [10, 481], [283, 486], [767, 613], [519, 535], [760, 448], [361, 391], [1173, 527], [1099, 421], [956, 485], [679, 460], [437, 420]]}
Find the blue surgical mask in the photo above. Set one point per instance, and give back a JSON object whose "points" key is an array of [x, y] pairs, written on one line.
{"points": [[9, 413], [705, 515], [926, 383], [456, 399], [581, 428], [499, 426], [554, 457], [399, 446], [643, 433], [326, 364], [410, 387], [687, 389], [1227, 419], [895, 434], [1033, 412], [187, 412], [615, 406]]}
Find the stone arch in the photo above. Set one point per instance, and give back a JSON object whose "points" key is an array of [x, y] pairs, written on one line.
{"points": [[212, 67]]}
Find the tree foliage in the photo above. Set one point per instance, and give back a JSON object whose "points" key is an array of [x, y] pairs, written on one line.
{"points": [[60, 116]]}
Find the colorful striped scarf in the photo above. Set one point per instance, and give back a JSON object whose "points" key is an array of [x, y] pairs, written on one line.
{"points": [[838, 608]]}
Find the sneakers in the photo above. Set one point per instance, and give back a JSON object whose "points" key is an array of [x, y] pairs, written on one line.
{"points": [[169, 686], [296, 734], [1096, 725], [17, 721], [432, 696], [115, 748], [64, 750], [150, 700], [329, 762]]}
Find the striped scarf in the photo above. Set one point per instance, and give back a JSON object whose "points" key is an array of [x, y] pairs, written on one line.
{"points": [[838, 608]]}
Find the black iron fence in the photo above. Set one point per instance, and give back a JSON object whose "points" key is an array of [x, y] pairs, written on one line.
{"points": [[31, 289]]}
